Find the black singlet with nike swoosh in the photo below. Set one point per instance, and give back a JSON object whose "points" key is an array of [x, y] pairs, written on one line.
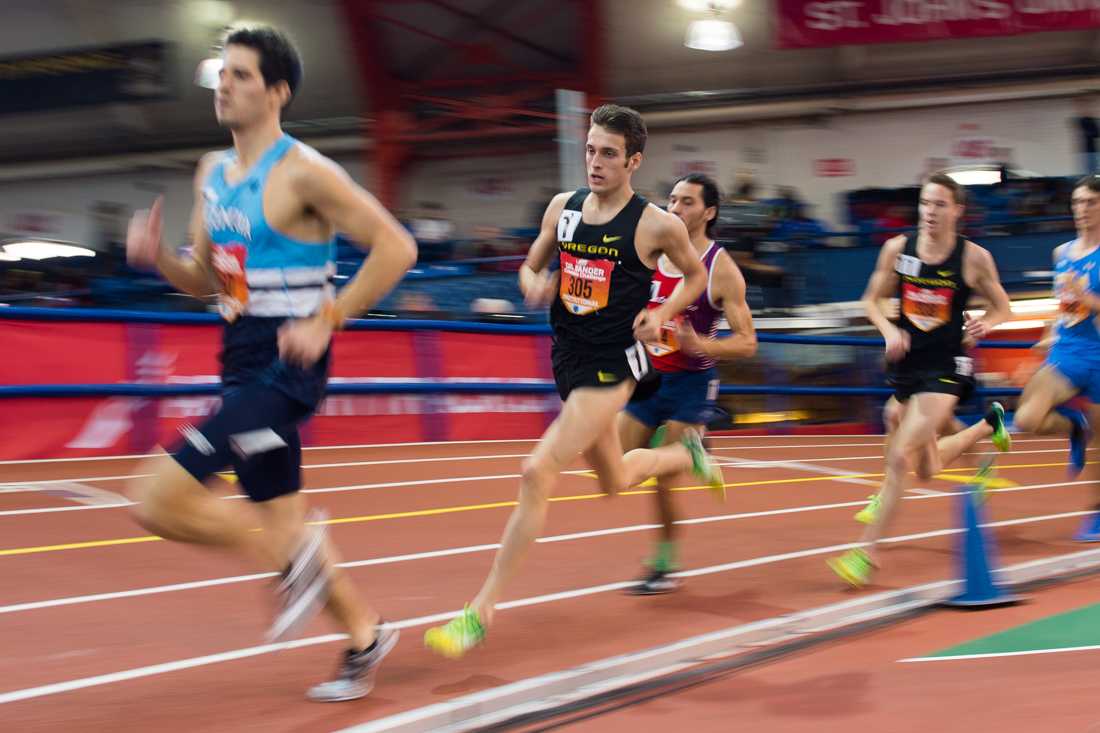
{"points": [[932, 298], [604, 285]]}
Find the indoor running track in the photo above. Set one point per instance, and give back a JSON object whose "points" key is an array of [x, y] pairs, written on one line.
{"points": [[106, 628]]}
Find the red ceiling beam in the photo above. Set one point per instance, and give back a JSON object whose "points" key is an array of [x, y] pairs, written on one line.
{"points": [[389, 155], [592, 40]]}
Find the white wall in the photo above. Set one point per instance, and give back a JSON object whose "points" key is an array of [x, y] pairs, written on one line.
{"points": [[886, 149], [483, 191]]}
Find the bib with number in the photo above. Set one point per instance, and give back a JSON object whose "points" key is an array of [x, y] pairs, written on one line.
{"points": [[585, 284], [1070, 311], [926, 308], [229, 264], [669, 342]]}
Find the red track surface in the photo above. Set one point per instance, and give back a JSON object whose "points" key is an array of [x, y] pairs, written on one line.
{"points": [[858, 683], [45, 646]]}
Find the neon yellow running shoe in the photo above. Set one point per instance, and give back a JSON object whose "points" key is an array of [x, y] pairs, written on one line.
{"points": [[458, 636], [867, 514], [981, 480], [854, 567], [1002, 441], [703, 466]]}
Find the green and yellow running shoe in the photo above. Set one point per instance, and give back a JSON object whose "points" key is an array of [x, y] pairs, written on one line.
{"points": [[658, 438], [981, 480], [854, 567], [703, 466], [458, 636], [1002, 441], [867, 514]]}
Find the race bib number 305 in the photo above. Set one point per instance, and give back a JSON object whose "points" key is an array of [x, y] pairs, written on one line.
{"points": [[585, 284]]}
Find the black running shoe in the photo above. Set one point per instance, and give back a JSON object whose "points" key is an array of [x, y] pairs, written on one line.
{"points": [[657, 582], [355, 678]]}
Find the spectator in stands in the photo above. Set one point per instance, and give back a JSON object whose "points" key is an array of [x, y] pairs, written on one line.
{"points": [[742, 223], [895, 217], [492, 242], [416, 304], [434, 232], [799, 228]]}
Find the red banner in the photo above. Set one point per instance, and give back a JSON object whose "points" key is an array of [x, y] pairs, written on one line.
{"points": [[834, 167], [45, 352], [808, 24]]}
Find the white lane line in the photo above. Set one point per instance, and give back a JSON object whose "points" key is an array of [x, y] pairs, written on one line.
{"points": [[806, 467], [17, 486], [994, 655], [164, 668], [32, 461], [54, 509], [24, 486], [14, 487], [450, 552], [394, 461], [928, 492], [754, 463]]}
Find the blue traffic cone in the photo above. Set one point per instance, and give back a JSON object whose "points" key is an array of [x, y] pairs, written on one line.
{"points": [[975, 556], [1090, 529]]}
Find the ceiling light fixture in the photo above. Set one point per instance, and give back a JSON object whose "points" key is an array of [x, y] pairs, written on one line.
{"points": [[708, 6], [206, 75], [37, 250], [713, 35]]}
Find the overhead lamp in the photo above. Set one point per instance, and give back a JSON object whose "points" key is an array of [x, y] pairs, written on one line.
{"points": [[37, 250], [713, 35], [213, 13], [206, 75], [976, 176], [708, 6]]}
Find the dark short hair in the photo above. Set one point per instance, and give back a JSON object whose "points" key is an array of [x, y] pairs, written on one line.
{"points": [[623, 121], [1092, 183], [958, 192], [279, 59], [711, 195]]}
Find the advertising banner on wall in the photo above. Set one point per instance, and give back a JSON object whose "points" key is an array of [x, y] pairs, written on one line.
{"points": [[171, 354], [816, 23]]}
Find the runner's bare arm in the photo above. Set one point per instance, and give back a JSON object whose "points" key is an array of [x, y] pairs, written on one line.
{"points": [[535, 282], [672, 240], [191, 273], [727, 287], [883, 285]]}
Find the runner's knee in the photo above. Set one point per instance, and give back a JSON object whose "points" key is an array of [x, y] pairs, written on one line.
{"points": [[1027, 417], [538, 475], [891, 416]]}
